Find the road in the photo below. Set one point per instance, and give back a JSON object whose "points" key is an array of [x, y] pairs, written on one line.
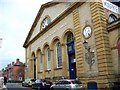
{"points": [[17, 86]]}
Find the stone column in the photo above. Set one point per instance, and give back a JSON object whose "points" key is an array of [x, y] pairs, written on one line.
{"points": [[78, 44], [52, 64], [31, 69], [64, 61], [44, 66], [102, 45], [37, 67]]}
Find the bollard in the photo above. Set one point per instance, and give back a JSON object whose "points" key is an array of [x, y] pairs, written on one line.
{"points": [[1, 82]]}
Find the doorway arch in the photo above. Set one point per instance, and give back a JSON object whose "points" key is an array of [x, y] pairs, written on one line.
{"points": [[71, 55]]}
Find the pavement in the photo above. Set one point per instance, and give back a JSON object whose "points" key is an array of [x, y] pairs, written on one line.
{"points": [[4, 87], [16, 86]]}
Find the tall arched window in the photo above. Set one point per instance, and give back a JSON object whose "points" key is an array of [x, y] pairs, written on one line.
{"points": [[118, 45], [40, 59], [58, 54], [48, 59]]}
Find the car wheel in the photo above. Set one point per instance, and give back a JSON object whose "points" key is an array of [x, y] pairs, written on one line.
{"points": [[67, 89], [51, 88]]}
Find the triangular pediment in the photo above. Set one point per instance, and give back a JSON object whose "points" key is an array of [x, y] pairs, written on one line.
{"points": [[51, 9]]}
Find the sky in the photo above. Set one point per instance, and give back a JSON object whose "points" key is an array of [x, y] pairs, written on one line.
{"points": [[16, 19]]}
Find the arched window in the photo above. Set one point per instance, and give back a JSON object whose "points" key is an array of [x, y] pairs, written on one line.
{"points": [[58, 54], [118, 45], [48, 59], [111, 18], [70, 38], [40, 59], [45, 23]]}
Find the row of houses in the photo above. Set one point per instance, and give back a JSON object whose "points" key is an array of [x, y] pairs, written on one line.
{"points": [[14, 71], [75, 40]]}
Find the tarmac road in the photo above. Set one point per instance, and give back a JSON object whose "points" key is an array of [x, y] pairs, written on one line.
{"points": [[17, 86]]}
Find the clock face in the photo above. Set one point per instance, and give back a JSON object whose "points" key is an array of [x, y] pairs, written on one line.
{"points": [[87, 32], [45, 23]]}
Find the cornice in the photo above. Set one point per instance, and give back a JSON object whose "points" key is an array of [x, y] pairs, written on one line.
{"points": [[54, 22], [113, 25]]}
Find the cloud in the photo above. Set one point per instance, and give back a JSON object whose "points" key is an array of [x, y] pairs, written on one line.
{"points": [[16, 18]]}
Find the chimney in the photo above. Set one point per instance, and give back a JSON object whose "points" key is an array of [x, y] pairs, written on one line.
{"points": [[17, 60], [12, 63]]}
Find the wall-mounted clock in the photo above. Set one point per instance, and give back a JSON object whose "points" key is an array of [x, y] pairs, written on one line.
{"points": [[87, 32], [45, 22]]}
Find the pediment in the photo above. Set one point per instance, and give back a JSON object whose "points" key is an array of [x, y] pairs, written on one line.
{"points": [[51, 10]]}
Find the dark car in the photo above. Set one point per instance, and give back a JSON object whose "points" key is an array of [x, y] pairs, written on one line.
{"points": [[41, 84], [68, 84], [116, 85], [28, 82]]}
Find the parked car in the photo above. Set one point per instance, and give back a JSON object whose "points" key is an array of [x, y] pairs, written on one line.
{"points": [[41, 84], [28, 82], [67, 84], [116, 85]]}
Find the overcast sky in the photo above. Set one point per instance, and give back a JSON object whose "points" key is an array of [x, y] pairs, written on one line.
{"points": [[16, 19]]}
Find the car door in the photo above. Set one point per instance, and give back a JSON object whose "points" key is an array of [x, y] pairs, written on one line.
{"points": [[62, 85], [57, 86]]}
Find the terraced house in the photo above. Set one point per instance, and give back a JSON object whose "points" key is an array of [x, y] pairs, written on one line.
{"points": [[75, 40]]}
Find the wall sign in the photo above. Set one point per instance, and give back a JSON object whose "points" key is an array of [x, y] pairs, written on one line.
{"points": [[108, 5]]}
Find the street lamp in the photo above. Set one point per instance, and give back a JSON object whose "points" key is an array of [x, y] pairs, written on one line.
{"points": [[89, 55], [0, 42]]}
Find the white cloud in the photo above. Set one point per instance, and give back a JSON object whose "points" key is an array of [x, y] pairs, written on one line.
{"points": [[16, 18]]}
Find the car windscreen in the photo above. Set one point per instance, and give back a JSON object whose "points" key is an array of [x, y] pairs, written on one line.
{"points": [[38, 81], [76, 82]]}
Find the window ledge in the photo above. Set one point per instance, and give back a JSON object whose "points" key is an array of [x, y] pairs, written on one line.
{"points": [[47, 70], [40, 72], [57, 68]]}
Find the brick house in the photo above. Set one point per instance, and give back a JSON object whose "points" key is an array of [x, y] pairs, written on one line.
{"points": [[14, 71]]}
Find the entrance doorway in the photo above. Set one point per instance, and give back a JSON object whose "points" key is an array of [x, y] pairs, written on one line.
{"points": [[34, 66], [71, 56], [72, 66]]}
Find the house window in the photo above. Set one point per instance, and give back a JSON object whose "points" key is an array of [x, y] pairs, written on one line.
{"points": [[58, 54], [48, 59], [40, 58], [118, 44], [45, 23], [111, 18]]}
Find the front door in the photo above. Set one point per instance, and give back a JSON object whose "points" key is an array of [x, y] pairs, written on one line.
{"points": [[72, 66], [72, 60]]}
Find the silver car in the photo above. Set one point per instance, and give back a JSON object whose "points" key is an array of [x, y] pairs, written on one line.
{"points": [[67, 84]]}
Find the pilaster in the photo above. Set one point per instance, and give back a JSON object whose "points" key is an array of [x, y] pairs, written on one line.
{"points": [[78, 44], [102, 45], [37, 68], [52, 64], [44, 66], [64, 60]]}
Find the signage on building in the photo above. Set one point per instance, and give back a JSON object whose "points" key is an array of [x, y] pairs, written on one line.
{"points": [[112, 7]]}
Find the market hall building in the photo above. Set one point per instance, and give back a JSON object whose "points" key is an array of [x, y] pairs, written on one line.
{"points": [[75, 40]]}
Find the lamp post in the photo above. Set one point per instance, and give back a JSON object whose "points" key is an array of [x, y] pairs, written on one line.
{"points": [[89, 55], [0, 42]]}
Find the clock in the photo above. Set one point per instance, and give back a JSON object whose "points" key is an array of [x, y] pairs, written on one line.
{"points": [[45, 23], [87, 32]]}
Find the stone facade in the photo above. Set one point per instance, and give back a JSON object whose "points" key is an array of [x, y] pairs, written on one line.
{"points": [[69, 23]]}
